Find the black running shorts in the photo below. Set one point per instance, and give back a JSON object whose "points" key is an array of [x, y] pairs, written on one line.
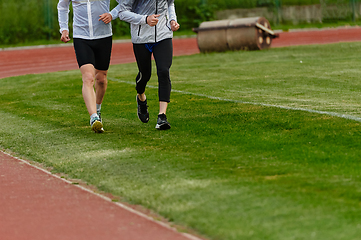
{"points": [[96, 52]]}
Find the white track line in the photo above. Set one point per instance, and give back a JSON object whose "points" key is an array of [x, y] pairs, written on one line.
{"points": [[333, 114], [189, 236]]}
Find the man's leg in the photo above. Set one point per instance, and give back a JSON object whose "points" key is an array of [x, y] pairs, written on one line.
{"points": [[101, 85], [88, 76]]}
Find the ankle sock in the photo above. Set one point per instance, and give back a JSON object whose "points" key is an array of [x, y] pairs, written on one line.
{"points": [[99, 107], [93, 116]]}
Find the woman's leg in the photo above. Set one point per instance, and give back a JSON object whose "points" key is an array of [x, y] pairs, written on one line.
{"points": [[144, 62], [163, 55]]}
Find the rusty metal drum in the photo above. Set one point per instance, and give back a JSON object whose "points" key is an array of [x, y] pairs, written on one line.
{"points": [[238, 34], [212, 36]]}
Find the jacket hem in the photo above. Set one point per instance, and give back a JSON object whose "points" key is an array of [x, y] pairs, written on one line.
{"points": [[92, 38]]}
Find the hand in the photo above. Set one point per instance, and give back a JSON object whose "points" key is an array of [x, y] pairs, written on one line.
{"points": [[106, 18], [174, 25], [65, 36], [152, 20]]}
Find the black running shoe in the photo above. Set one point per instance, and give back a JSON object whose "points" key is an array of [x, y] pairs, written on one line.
{"points": [[143, 113], [162, 123]]}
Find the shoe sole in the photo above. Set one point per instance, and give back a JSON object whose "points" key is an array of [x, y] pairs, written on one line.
{"points": [[147, 120], [97, 127], [164, 126], [142, 120]]}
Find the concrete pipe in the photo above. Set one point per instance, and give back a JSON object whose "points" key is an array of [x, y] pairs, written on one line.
{"points": [[238, 34]]}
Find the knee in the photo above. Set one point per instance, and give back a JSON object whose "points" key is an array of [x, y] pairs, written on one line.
{"points": [[88, 78], [101, 78], [144, 76], [163, 75]]}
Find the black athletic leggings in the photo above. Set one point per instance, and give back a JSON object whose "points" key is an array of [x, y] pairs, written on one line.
{"points": [[163, 55]]}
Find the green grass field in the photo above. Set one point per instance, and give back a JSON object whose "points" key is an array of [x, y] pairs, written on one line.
{"points": [[262, 145]]}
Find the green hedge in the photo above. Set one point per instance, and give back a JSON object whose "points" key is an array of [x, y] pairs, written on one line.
{"points": [[30, 20], [21, 20]]}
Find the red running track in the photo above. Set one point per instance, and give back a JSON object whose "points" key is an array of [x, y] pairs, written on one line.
{"points": [[49, 59], [318, 36], [35, 205], [62, 57], [39, 206]]}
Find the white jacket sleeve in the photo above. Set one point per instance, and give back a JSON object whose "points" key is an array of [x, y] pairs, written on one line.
{"points": [[171, 12], [63, 14], [126, 14], [115, 12]]}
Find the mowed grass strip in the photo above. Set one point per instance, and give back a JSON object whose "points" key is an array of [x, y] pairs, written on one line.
{"points": [[319, 77], [226, 170]]}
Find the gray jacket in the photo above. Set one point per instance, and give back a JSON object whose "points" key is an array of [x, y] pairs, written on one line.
{"points": [[136, 11]]}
